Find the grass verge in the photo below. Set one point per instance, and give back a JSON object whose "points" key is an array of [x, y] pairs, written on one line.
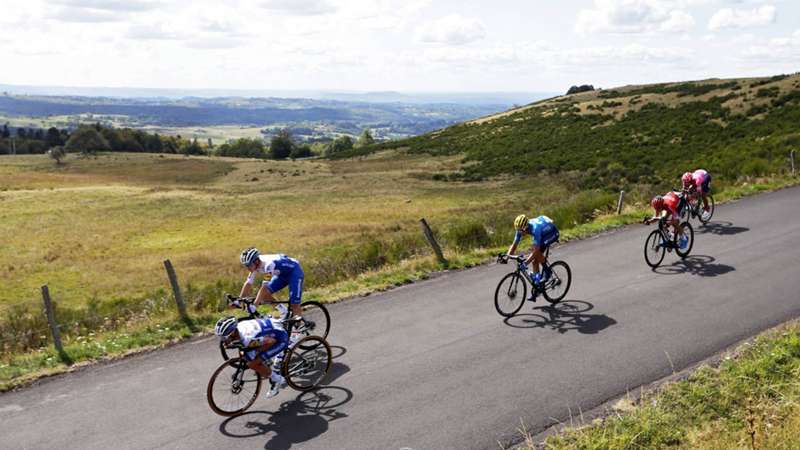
{"points": [[750, 400]]}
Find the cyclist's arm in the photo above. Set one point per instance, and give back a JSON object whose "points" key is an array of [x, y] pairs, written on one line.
{"points": [[513, 248]]}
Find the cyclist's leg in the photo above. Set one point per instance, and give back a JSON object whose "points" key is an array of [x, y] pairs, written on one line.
{"points": [[706, 188], [295, 283]]}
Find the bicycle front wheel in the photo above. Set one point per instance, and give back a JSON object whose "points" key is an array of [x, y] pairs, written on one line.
{"points": [[705, 217], [688, 231], [316, 322], [307, 363], [654, 249], [510, 294], [557, 286], [233, 387]]}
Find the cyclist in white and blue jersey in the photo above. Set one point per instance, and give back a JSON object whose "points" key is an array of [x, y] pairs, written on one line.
{"points": [[284, 271], [262, 340], [543, 233]]}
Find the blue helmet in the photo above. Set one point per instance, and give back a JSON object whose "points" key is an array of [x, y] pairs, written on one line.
{"points": [[225, 326], [249, 256]]}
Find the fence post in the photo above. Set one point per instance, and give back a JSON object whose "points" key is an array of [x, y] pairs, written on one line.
{"points": [[51, 320], [431, 240], [619, 202], [176, 289], [791, 157]]}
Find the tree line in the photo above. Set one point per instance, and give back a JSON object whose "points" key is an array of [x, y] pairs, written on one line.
{"points": [[90, 139]]}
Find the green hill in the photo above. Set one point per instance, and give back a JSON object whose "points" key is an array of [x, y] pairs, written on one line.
{"points": [[633, 134]]}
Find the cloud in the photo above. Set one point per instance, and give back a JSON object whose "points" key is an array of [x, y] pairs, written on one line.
{"points": [[155, 32], [300, 7], [633, 16], [111, 5], [452, 30], [80, 15], [777, 50], [738, 18]]}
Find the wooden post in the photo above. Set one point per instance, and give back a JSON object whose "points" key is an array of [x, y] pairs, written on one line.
{"points": [[619, 202], [51, 320], [431, 240], [791, 157], [176, 289]]}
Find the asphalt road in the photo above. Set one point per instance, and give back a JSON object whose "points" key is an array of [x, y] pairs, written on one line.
{"points": [[433, 366]]}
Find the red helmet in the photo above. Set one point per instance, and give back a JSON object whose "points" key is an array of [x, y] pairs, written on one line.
{"points": [[657, 203], [686, 179]]}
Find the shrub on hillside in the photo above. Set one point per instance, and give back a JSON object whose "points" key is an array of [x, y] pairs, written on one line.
{"points": [[466, 234]]}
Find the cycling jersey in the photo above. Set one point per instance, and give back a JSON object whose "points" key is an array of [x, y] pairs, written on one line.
{"points": [[542, 230], [253, 332], [285, 271], [701, 180], [673, 204]]}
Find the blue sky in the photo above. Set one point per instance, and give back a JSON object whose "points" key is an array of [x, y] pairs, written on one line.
{"points": [[399, 45]]}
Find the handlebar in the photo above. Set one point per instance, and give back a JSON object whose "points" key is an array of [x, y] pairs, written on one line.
{"points": [[502, 258]]}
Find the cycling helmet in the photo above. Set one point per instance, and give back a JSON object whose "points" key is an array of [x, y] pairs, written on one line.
{"points": [[225, 326], [657, 203], [249, 256], [686, 179], [520, 221]]}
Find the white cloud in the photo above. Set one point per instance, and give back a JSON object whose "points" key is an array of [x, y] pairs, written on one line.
{"points": [[155, 32], [738, 18], [452, 30], [633, 16], [111, 5], [300, 7], [80, 15], [780, 50]]}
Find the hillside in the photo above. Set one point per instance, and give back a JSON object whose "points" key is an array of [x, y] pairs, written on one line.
{"points": [[633, 134]]}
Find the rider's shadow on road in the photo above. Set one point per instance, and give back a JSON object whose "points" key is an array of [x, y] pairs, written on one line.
{"points": [[720, 228], [700, 265], [298, 420], [562, 317]]}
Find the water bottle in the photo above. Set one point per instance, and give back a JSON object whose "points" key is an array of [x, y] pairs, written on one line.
{"points": [[282, 310]]}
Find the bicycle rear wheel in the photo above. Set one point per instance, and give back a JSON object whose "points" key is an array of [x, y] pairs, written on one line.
{"points": [[705, 217], [557, 286], [316, 321], [687, 231], [654, 249], [510, 294], [233, 388], [305, 368]]}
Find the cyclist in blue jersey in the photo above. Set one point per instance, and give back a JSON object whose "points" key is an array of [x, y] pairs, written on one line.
{"points": [[284, 272], [262, 339], [543, 233]]}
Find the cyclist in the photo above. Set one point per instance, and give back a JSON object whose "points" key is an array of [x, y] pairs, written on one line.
{"points": [[262, 339], [698, 181], [285, 271], [543, 233], [669, 208]]}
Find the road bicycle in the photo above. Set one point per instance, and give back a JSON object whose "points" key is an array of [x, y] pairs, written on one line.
{"points": [[234, 387], [662, 240], [694, 207], [511, 292], [316, 320]]}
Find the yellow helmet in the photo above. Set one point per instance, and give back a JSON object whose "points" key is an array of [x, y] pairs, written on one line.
{"points": [[520, 221]]}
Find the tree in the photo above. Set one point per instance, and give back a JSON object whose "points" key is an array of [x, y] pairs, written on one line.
{"points": [[301, 151], [86, 139], [339, 144], [243, 148], [365, 138], [57, 153], [5, 133], [280, 147], [53, 137], [581, 88], [192, 148], [22, 133]]}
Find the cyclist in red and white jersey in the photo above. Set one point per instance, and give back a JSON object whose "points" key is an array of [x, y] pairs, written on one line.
{"points": [[669, 208]]}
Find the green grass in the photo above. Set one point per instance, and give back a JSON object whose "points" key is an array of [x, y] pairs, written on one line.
{"points": [[750, 401]]}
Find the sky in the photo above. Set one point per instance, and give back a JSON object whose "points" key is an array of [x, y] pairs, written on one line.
{"points": [[393, 45]]}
